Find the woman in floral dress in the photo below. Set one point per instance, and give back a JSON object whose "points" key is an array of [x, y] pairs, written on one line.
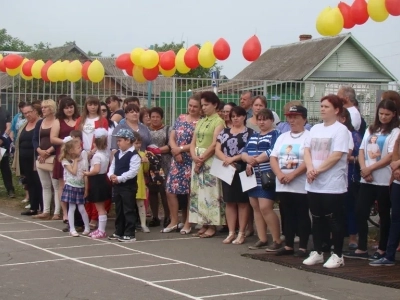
{"points": [[178, 182], [206, 205]]}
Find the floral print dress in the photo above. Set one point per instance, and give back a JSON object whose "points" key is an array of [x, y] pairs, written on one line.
{"points": [[179, 176]]}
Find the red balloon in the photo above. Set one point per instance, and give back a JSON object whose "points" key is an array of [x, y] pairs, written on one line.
{"points": [[27, 67], [13, 61], [129, 71], [252, 49], [393, 7], [124, 61], [150, 74], [167, 61], [345, 9], [359, 12], [43, 72], [221, 49], [191, 57], [2, 66], [85, 68]]}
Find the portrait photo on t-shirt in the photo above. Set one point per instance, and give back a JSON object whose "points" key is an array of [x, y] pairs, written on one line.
{"points": [[289, 156], [375, 148], [320, 148]]}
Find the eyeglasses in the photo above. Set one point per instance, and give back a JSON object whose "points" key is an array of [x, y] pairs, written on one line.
{"points": [[27, 113]]}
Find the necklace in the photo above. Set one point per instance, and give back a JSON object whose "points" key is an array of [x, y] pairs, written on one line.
{"points": [[296, 137], [207, 122]]}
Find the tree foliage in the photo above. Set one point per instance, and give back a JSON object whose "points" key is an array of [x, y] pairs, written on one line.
{"points": [[10, 43]]}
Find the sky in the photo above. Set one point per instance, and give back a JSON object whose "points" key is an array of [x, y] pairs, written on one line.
{"points": [[118, 26]]}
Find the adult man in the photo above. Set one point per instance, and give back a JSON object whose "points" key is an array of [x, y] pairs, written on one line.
{"points": [[246, 101], [5, 131], [348, 94]]}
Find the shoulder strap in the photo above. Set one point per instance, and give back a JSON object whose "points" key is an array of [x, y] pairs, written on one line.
{"points": [[167, 135]]}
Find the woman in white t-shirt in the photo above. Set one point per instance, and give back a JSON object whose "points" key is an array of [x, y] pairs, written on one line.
{"points": [[288, 165], [376, 178], [327, 180]]}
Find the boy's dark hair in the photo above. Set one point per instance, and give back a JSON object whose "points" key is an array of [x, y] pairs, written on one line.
{"points": [[76, 133]]}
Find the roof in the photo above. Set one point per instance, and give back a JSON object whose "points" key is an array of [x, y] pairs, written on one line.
{"points": [[298, 61]]}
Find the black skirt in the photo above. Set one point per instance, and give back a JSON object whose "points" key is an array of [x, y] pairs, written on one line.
{"points": [[233, 193], [99, 188]]}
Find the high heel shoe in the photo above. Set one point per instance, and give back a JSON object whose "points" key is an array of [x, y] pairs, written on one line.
{"points": [[229, 239], [240, 239], [169, 229]]}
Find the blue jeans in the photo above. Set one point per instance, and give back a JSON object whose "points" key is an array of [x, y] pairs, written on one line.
{"points": [[394, 234]]}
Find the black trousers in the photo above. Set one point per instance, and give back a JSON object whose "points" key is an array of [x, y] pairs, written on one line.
{"points": [[367, 195], [327, 207], [296, 220], [6, 174], [125, 208], [32, 181]]}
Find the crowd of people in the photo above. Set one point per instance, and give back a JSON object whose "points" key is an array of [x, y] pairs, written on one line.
{"points": [[325, 177]]}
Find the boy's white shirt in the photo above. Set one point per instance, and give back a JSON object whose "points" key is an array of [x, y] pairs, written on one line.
{"points": [[134, 166]]}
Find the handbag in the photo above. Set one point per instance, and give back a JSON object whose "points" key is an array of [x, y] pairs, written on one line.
{"points": [[268, 178], [48, 164]]}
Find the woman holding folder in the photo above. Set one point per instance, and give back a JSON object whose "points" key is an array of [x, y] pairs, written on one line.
{"points": [[229, 147]]}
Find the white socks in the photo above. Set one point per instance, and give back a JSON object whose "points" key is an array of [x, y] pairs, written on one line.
{"points": [[71, 216], [142, 212], [102, 223]]}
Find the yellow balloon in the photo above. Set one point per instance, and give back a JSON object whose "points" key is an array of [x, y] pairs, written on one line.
{"points": [[149, 59], [320, 22], [137, 74], [206, 55], [331, 22], [52, 72], [167, 73], [73, 71], [37, 68], [180, 62], [16, 71], [96, 71], [136, 55], [377, 10], [61, 76]]}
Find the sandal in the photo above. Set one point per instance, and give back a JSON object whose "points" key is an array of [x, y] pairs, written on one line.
{"points": [[169, 229], [56, 217], [200, 232], [229, 238], [207, 235], [240, 239], [186, 231]]}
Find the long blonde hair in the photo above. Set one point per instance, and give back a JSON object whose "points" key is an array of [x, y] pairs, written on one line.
{"points": [[66, 149], [85, 112]]}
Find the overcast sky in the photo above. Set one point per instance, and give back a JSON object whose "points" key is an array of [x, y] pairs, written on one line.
{"points": [[118, 26]]}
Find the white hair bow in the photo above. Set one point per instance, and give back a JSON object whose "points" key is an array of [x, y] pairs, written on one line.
{"points": [[67, 139], [99, 132]]}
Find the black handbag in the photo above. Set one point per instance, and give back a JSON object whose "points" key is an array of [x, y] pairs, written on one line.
{"points": [[268, 178]]}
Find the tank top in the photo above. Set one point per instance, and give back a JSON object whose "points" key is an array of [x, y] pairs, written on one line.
{"points": [[44, 142]]}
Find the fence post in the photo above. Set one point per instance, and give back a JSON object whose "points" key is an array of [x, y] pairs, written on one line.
{"points": [[72, 90], [149, 87], [173, 101]]}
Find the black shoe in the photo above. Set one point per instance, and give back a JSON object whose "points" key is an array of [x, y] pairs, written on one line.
{"points": [[353, 254], [114, 237], [29, 213], [65, 229], [127, 239], [300, 253], [155, 222], [283, 251], [377, 256]]}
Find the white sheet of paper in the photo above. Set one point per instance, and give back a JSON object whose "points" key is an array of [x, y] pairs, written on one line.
{"points": [[2, 151], [224, 173], [248, 182]]}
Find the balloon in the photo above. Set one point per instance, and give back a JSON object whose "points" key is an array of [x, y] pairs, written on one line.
{"points": [[73, 71], [137, 74], [359, 12], [96, 71], [345, 9], [13, 61], [180, 62], [167, 60], [85, 67], [129, 71], [150, 74], [53, 71], [26, 69], [124, 61], [2, 66], [61, 75], [43, 71], [13, 72], [37, 69], [320, 24], [221, 49], [149, 59], [23, 76], [252, 49], [334, 22], [393, 7], [377, 10], [136, 55], [167, 73], [206, 55], [191, 57]]}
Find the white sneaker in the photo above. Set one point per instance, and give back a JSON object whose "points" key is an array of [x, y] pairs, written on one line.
{"points": [[334, 262], [145, 229], [314, 259], [25, 200], [28, 206]]}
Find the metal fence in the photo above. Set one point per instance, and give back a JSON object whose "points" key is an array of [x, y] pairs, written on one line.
{"points": [[172, 93]]}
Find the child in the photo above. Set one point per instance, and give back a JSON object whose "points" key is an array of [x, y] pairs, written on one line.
{"points": [[99, 189], [141, 192], [123, 174], [75, 188]]}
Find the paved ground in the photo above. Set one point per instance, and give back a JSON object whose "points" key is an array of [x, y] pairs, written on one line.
{"points": [[38, 261]]}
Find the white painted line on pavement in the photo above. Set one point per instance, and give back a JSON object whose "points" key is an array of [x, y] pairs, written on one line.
{"points": [[145, 266], [33, 262], [27, 230], [239, 293], [12, 223], [191, 278], [110, 255], [46, 238], [78, 246]]}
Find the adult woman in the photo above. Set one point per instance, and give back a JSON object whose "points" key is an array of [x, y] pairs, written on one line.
{"points": [[284, 126], [114, 104], [376, 177], [24, 159], [144, 116], [327, 180], [44, 149], [256, 155], [66, 115], [226, 113], [160, 137], [205, 190], [178, 180], [259, 103], [287, 162], [106, 114], [353, 179], [229, 147]]}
